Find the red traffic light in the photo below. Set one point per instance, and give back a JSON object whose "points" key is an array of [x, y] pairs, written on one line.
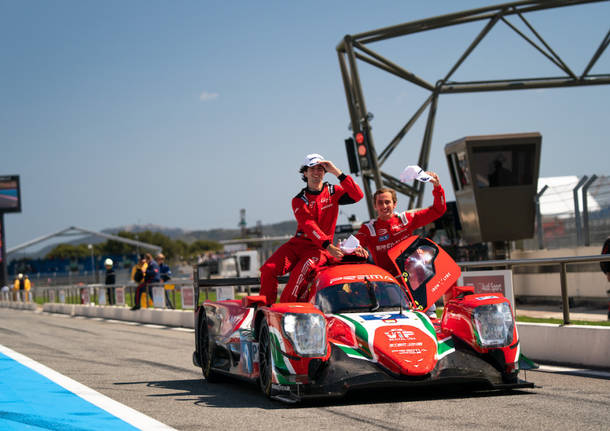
{"points": [[361, 150], [359, 138]]}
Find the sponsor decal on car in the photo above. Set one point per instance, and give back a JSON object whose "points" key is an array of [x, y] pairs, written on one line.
{"points": [[384, 316]]}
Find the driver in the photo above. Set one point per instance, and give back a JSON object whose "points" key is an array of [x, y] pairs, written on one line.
{"points": [[390, 228], [316, 208]]}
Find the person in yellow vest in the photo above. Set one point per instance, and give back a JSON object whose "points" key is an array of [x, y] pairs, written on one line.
{"points": [[22, 287], [138, 273]]}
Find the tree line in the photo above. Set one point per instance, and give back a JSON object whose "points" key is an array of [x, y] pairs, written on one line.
{"points": [[172, 249]]}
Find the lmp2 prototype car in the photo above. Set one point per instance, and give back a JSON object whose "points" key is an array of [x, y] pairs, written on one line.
{"points": [[362, 328]]}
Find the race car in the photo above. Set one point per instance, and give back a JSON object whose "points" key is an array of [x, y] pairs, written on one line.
{"points": [[360, 327]]}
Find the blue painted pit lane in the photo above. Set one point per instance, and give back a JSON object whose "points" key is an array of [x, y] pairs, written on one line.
{"points": [[35, 397]]}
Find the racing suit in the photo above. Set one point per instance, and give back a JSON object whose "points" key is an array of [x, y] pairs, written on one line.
{"points": [[316, 214], [378, 236]]}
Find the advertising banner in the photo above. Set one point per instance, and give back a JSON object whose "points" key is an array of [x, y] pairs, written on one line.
{"points": [[224, 292], [84, 296], [188, 297], [496, 281], [101, 295], [158, 296], [119, 294]]}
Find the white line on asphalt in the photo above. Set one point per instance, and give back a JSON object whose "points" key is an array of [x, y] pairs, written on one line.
{"points": [[150, 325], [113, 407], [182, 329], [579, 371]]}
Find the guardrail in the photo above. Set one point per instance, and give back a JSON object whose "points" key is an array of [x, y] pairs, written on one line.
{"points": [[73, 292], [76, 294], [547, 261]]}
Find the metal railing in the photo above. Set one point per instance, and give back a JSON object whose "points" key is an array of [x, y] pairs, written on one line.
{"points": [[562, 262], [73, 294]]}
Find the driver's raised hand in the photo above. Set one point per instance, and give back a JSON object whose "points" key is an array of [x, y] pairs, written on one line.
{"points": [[330, 167]]}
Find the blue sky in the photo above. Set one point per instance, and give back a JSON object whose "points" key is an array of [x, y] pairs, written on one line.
{"points": [[181, 113]]}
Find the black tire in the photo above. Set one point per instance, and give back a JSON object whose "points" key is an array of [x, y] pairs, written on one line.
{"points": [[206, 350], [264, 359]]}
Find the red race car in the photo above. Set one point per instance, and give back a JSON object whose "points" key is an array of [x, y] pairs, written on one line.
{"points": [[362, 328]]}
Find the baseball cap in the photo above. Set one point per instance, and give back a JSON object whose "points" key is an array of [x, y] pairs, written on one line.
{"points": [[312, 160], [108, 262], [414, 172]]}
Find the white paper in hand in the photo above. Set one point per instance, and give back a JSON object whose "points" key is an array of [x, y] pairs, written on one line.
{"points": [[414, 172], [349, 245]]}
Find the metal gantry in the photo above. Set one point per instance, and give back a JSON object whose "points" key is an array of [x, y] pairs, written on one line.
{"points": [[354, 47]]}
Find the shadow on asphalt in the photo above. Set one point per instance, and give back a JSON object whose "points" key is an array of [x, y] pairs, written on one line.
{"points": [[232, 393]]}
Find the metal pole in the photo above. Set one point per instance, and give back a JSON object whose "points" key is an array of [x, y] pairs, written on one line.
{"points": [[564, 294], [539, 217], [577, 210], [3, 271], [92, 263], [585, 208]]}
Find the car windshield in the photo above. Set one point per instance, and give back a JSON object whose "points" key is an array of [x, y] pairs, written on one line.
{"points": [[357, 297]]}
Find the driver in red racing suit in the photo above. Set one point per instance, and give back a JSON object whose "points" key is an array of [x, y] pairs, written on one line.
{"points": [[316, 209], [389, 228]]}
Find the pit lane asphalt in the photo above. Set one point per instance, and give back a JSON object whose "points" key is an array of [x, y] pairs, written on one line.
{"points": [[149, 369]]}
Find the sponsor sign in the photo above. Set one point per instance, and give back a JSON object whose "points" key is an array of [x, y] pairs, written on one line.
{"points": [[119, 295], [101, 296], [224, 292], [84, 296], [188, 297], [158, 293], [496, 281]]}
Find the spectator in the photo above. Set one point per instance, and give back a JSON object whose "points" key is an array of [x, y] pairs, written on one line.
{"points": [[22, 287], [151, 275], [165, 273], [110, 280], [138, 276]]}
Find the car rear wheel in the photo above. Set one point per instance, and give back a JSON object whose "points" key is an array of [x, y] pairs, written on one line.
{"points": [[264, 359], [206, 350]]}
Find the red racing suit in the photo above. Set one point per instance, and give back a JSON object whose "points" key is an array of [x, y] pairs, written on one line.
{"points": [[316, 214], [378, 236]]}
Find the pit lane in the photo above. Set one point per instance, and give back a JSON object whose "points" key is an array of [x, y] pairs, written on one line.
{"points": [[148, 368]]}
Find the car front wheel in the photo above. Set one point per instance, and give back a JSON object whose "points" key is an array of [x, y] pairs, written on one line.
{"points": [[264, 359], [206, 351]]}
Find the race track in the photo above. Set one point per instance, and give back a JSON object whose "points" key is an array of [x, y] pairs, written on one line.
{"points": [[149, 369]]}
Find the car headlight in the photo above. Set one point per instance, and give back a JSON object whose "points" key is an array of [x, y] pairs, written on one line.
{"points": [[307, 332], [494, 324]]}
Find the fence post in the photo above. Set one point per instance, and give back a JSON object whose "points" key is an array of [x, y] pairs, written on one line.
{"points": [[585, 208], [564, 294], [539, 217], [577, 210]]}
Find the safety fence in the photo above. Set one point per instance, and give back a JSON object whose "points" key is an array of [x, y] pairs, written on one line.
{"points": [[186, 294], [177, 294]]}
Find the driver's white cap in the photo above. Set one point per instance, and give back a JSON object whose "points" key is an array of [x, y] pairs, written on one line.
{"points": [[414, 172], [312, 160]]}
